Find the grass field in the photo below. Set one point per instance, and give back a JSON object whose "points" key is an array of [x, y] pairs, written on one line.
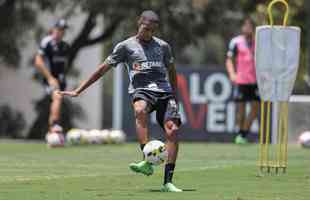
{"points": [[30, 171]]}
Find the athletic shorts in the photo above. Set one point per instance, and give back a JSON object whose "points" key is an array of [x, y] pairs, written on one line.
{"points": [[163, 103], [243, 93], [49, 90]]}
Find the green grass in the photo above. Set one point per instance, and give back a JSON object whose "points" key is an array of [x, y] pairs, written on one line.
{"points": [[30, 171]]}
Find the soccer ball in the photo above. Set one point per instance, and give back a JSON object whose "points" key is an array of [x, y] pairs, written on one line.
{"points": [[55, 139], [155, 152], [93, 137], [73, 136], [304, 139], [104, 136], [117, 136], [84, 136]]}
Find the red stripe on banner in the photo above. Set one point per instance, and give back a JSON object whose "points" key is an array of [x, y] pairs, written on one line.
{"points": [[196, 120]]}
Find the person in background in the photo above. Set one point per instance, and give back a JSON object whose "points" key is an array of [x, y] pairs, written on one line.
{"points": [[240, 65], [51, 61]]}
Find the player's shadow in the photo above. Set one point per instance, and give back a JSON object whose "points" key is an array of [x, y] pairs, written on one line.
{"points": [[184, 190]]}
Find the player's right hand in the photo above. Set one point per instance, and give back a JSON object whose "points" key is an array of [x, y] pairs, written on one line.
{"points": [[53, 82], [233, 77], [68, 93]]}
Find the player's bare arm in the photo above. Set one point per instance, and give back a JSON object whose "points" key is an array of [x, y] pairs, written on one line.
{"points": [[231, 69], [102, 69], [40, 65]]}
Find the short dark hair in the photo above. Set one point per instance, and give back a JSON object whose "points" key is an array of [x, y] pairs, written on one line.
{"points": [[149, 16]]}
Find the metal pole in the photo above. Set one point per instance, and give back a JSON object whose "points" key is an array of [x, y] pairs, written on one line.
{"points": [[307, 6], [117, 97]]}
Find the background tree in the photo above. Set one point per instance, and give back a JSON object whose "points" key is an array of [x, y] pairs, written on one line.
{"points": [[12, 122], [183, 23]]}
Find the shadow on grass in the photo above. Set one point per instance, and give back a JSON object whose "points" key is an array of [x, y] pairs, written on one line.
{"points": [[184, 190]]}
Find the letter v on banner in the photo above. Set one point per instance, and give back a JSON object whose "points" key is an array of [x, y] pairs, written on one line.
{"points": [[195, 119]]}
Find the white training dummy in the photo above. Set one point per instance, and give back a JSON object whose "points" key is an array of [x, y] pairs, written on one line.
{"points": [[277, 57]]}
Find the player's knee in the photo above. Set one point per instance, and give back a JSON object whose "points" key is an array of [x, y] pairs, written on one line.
{"points": [[171, 125], [56, 97], [171, 129], [140, 113]]}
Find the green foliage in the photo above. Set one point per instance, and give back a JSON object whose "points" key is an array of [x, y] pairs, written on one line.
{"points": [[12, 122], [183, 23]]}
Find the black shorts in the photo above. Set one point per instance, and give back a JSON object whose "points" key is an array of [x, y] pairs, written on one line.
{"points": [[49, 90], [163, 103], [246, 92]]}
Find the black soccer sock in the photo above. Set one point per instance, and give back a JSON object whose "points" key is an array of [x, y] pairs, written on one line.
{"points": [[141, 147], [244, 133], [169, 169]]}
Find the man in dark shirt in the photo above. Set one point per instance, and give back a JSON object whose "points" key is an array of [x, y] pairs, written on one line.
{"points": [[151, 70], [51, 60]]}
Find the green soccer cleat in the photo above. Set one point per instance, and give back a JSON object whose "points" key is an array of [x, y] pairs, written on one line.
{"points": [[142, 167], [240, 140], [169, 187]]}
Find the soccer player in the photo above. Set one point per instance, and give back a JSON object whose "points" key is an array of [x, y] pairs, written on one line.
{"points": [[150, 65], [240, 66], [51, 60]]}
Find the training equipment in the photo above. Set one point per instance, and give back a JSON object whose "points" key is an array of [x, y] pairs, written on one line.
{"points": [[117, 137], [104, 136], [273, 156], [304, 139], [93, 137], [169, 187], [55, 139], [84, 136], [155, 152], [73, 136], [87, 137], [143, 167], [277, 61]]}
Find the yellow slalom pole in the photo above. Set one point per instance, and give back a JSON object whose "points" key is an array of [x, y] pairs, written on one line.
{"points": [[279, 138], [261, 136], [271, 4], [277, 157], [285, 137], [268, 136], [282, 132]]}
